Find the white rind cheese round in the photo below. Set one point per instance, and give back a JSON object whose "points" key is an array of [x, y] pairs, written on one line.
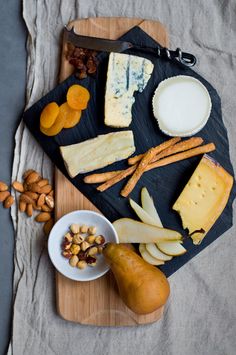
{"points": [[181, 105]]}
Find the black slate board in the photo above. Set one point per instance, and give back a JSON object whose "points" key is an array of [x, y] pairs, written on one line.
{"points": [[164, 184]]}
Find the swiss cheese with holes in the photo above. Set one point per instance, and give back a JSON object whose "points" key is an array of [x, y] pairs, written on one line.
{"points": [[204, 198]]}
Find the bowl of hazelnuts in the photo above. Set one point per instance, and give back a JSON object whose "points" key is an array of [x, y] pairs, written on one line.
{"points": [[76, 243]]}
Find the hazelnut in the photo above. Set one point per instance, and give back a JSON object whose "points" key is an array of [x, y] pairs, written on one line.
{"points": [[85, 246], [92, 230], [100, 239], [82, 264], [92, 251], [68, 237], [67, 254], [78, 239], [83, 229], [74, 260], [90, 239], [66, 245], [82, 255], [75, 228], [91, 261], [75, 248]]}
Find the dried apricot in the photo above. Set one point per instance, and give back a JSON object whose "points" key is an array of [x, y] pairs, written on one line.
{"points": [[77, 97], [72, 117], [49, 114], [57, 126]]}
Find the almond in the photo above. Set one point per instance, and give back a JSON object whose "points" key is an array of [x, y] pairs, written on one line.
{"points": [[4, 195], [32, 195], [43, 217], [8, 202], [45, 208], [41, 200], [18, 186], [48, 226], [3, 186], [51, 193], [22, 206], [49, 201], [25, 198], [34, 187], [36, 207], [27, 172], [26, 186], [29, 210], [46, 189], [43, 182], [32, 177]]}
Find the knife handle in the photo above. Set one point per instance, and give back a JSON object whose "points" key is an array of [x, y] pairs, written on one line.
{"points": [[184, 58]]}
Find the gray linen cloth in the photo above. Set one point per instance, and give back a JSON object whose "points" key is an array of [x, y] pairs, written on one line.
{"points": [[200, 317]]}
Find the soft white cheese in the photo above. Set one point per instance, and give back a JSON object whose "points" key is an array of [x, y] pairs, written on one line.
{"points": [[97, 152], [126, 74]]}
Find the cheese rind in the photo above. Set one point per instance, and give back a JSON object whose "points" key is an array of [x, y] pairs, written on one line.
{"points": [[125, 75], [97, 152], [204, 198]]}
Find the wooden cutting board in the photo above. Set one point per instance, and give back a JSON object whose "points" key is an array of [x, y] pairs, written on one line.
{"points": [[96, 302]]}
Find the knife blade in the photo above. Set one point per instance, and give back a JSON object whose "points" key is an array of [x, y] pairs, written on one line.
{"points": [[109, 45]]}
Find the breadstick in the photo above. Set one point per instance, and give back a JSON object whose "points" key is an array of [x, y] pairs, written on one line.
{"points": [[168, 160], [182, 156], [166, 144], [138, 172], [102, 177], [179, 147], [117, 178]]}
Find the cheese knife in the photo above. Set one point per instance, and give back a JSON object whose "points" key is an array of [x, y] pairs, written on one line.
{"points": [[109, 45]]}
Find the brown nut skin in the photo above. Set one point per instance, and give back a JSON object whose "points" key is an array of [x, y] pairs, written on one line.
{"points": [[32, 195], [67, 254], [27, 199], [43, 182], [3, 186], [82, 255], [46, 189], [8, 202], [68, 237], [41, 200], [45, 208], [32, 177], [66, 245], [100, 240], [91, 261], [4, 195], [27, 173], [29, 210], [18, 186], [34, 187], [43, 217], [48, 226], [22, 206]]}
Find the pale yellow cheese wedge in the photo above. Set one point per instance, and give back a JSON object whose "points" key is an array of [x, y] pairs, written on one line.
{"points": [[204, 198]]}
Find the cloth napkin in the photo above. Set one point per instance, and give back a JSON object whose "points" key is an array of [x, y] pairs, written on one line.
{"points": [[200, 317]]}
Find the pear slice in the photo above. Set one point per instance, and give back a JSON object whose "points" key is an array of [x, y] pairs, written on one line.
{"points": [[149, 207], [173, 248], [142, 214], [148, 257], [156, 253], [131, 231]]}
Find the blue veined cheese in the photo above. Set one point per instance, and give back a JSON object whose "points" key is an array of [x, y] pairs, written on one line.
{"points": [[126, 74], [98, 152]]}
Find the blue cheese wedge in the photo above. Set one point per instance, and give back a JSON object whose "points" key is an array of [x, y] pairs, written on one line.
{"points": [[126, 74], [204, 198], [97, 152]]}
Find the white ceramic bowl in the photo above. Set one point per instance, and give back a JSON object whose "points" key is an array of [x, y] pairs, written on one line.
{"points": [[90, 218]]}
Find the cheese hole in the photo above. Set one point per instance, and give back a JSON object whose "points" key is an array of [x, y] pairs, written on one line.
{"points": [[203, 195], [213, 188], [198, 184], [195, 203]]}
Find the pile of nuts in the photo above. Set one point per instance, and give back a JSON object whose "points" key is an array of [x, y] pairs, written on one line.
{"points": [[84, 60], [82, 250], [35, 194]]}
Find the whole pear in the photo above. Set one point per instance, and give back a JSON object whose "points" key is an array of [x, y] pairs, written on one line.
{"points": [[142, 287]]}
